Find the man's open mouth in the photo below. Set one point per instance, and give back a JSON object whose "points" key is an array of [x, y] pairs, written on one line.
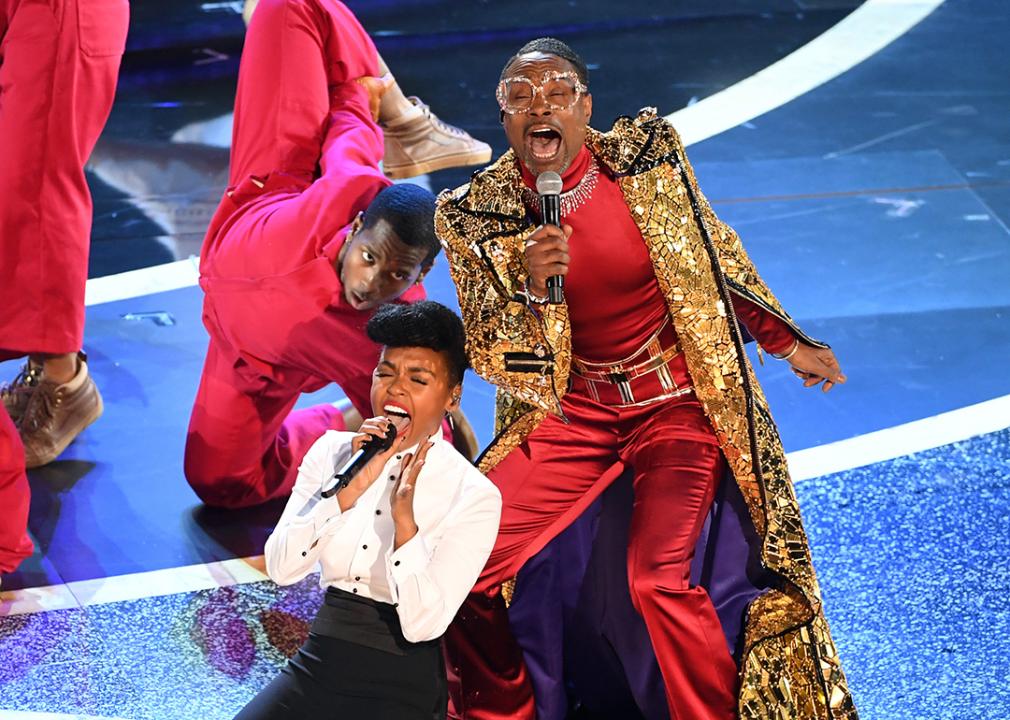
{"points": [[544, 143], [357, 299]]}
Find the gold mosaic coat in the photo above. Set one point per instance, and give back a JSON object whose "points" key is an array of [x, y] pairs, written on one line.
{"points": [[790, 667]]}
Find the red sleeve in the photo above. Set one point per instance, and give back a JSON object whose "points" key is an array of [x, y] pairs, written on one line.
{"points": [[773, 334], [358, 390], [350, 177], [415, 293]]}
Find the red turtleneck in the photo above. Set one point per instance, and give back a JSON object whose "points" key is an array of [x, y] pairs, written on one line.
{"points": [[614, 300]]}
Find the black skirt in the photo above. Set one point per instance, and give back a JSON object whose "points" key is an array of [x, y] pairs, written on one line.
{"points": [[356, 663]]}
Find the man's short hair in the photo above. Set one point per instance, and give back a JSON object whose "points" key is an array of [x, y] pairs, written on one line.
{"points": [[410, 212], [551, 46], [426, 324]]}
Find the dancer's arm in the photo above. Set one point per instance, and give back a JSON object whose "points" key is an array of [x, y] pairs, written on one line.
{"points": [[758, 308], [349, 177]]}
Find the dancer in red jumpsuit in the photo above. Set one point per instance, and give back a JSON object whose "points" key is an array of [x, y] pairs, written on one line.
{"points": [[309, 238], [59, 61], [15, 545]]}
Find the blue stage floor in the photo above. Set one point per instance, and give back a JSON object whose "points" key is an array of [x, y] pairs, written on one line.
{"points": [[913, 556], [876, 205]]}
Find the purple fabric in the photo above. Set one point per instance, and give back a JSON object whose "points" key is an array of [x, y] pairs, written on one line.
{"points": [[584, 643]]}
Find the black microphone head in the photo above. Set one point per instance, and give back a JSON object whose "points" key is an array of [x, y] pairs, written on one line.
{"points": [[387, 442], [549, 183]]}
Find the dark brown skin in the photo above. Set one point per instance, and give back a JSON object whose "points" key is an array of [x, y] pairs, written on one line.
{"points": [[547, 247], [571, 124], [375, 267], [415, 380]]}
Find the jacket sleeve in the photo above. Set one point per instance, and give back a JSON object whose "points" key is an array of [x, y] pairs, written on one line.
{"points": [[773, 334], [525, 350], [741, 275]]}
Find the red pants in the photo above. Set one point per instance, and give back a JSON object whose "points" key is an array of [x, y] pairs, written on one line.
{"points": [[59, 60], [546, 483], [305, 157], [15, 545], [58, 65]]}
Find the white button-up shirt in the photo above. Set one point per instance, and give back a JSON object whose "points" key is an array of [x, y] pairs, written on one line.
{"points": [[456, 510]]}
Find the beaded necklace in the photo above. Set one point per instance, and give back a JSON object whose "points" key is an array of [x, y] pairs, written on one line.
{"points": [[573, 199]]}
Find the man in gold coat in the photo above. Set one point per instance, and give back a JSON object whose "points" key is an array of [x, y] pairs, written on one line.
{"points": [[641, 367]]}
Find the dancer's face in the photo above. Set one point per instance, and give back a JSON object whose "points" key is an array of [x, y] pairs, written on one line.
{"points": [[412, 387], [544, 138], [376, 268]]}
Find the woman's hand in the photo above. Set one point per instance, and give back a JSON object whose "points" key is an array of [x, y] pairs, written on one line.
{"points": [[401, 501], [376, 427]]}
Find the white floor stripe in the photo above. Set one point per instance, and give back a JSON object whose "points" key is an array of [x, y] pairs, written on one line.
{"points": [[944, 429], [134, 586], [170, 581], [23, 715], [35, 600], [899, 441], [145, 281], [867, 30]]}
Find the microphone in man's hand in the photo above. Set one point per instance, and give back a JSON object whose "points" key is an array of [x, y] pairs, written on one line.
{"points": [[549, 186], [372, 446]]}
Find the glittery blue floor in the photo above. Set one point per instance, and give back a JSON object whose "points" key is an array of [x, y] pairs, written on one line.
{"points": [[913, 555], [877, 206]]}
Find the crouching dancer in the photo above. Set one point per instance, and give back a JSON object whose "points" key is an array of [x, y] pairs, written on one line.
{"points": [[399, 547], [308, 240]]}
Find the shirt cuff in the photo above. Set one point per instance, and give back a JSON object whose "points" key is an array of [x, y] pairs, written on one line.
{"points": [[410, 559]]}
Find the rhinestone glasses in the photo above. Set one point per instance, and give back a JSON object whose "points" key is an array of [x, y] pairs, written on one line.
{"points": [[560, 90]]}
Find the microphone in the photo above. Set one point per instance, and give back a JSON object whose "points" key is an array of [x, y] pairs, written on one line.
{"points": [[549, 186], [371, 447]]}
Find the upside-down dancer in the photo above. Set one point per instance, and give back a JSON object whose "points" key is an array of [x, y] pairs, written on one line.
{"points": [[308, 240]]}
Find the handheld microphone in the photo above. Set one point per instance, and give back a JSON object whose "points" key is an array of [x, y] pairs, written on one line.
{"points": [[549, 186], [372, 447]]}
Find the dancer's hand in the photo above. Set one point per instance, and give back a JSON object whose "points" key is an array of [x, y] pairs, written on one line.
{"points": [[376, 87], [401, 501], [547, 255], [816, 365]]}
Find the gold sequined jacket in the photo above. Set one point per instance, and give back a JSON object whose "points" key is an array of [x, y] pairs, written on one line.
{"points": [[790, 667]]}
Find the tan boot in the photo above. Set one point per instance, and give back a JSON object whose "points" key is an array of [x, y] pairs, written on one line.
{"points": [[16, 393], [56, 414], [418, 143], [248, 8]]}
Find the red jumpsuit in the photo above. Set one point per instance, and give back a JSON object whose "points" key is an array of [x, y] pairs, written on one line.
{"points": [[15, 545], [59, 60], [615, 305], [305, 155]]}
